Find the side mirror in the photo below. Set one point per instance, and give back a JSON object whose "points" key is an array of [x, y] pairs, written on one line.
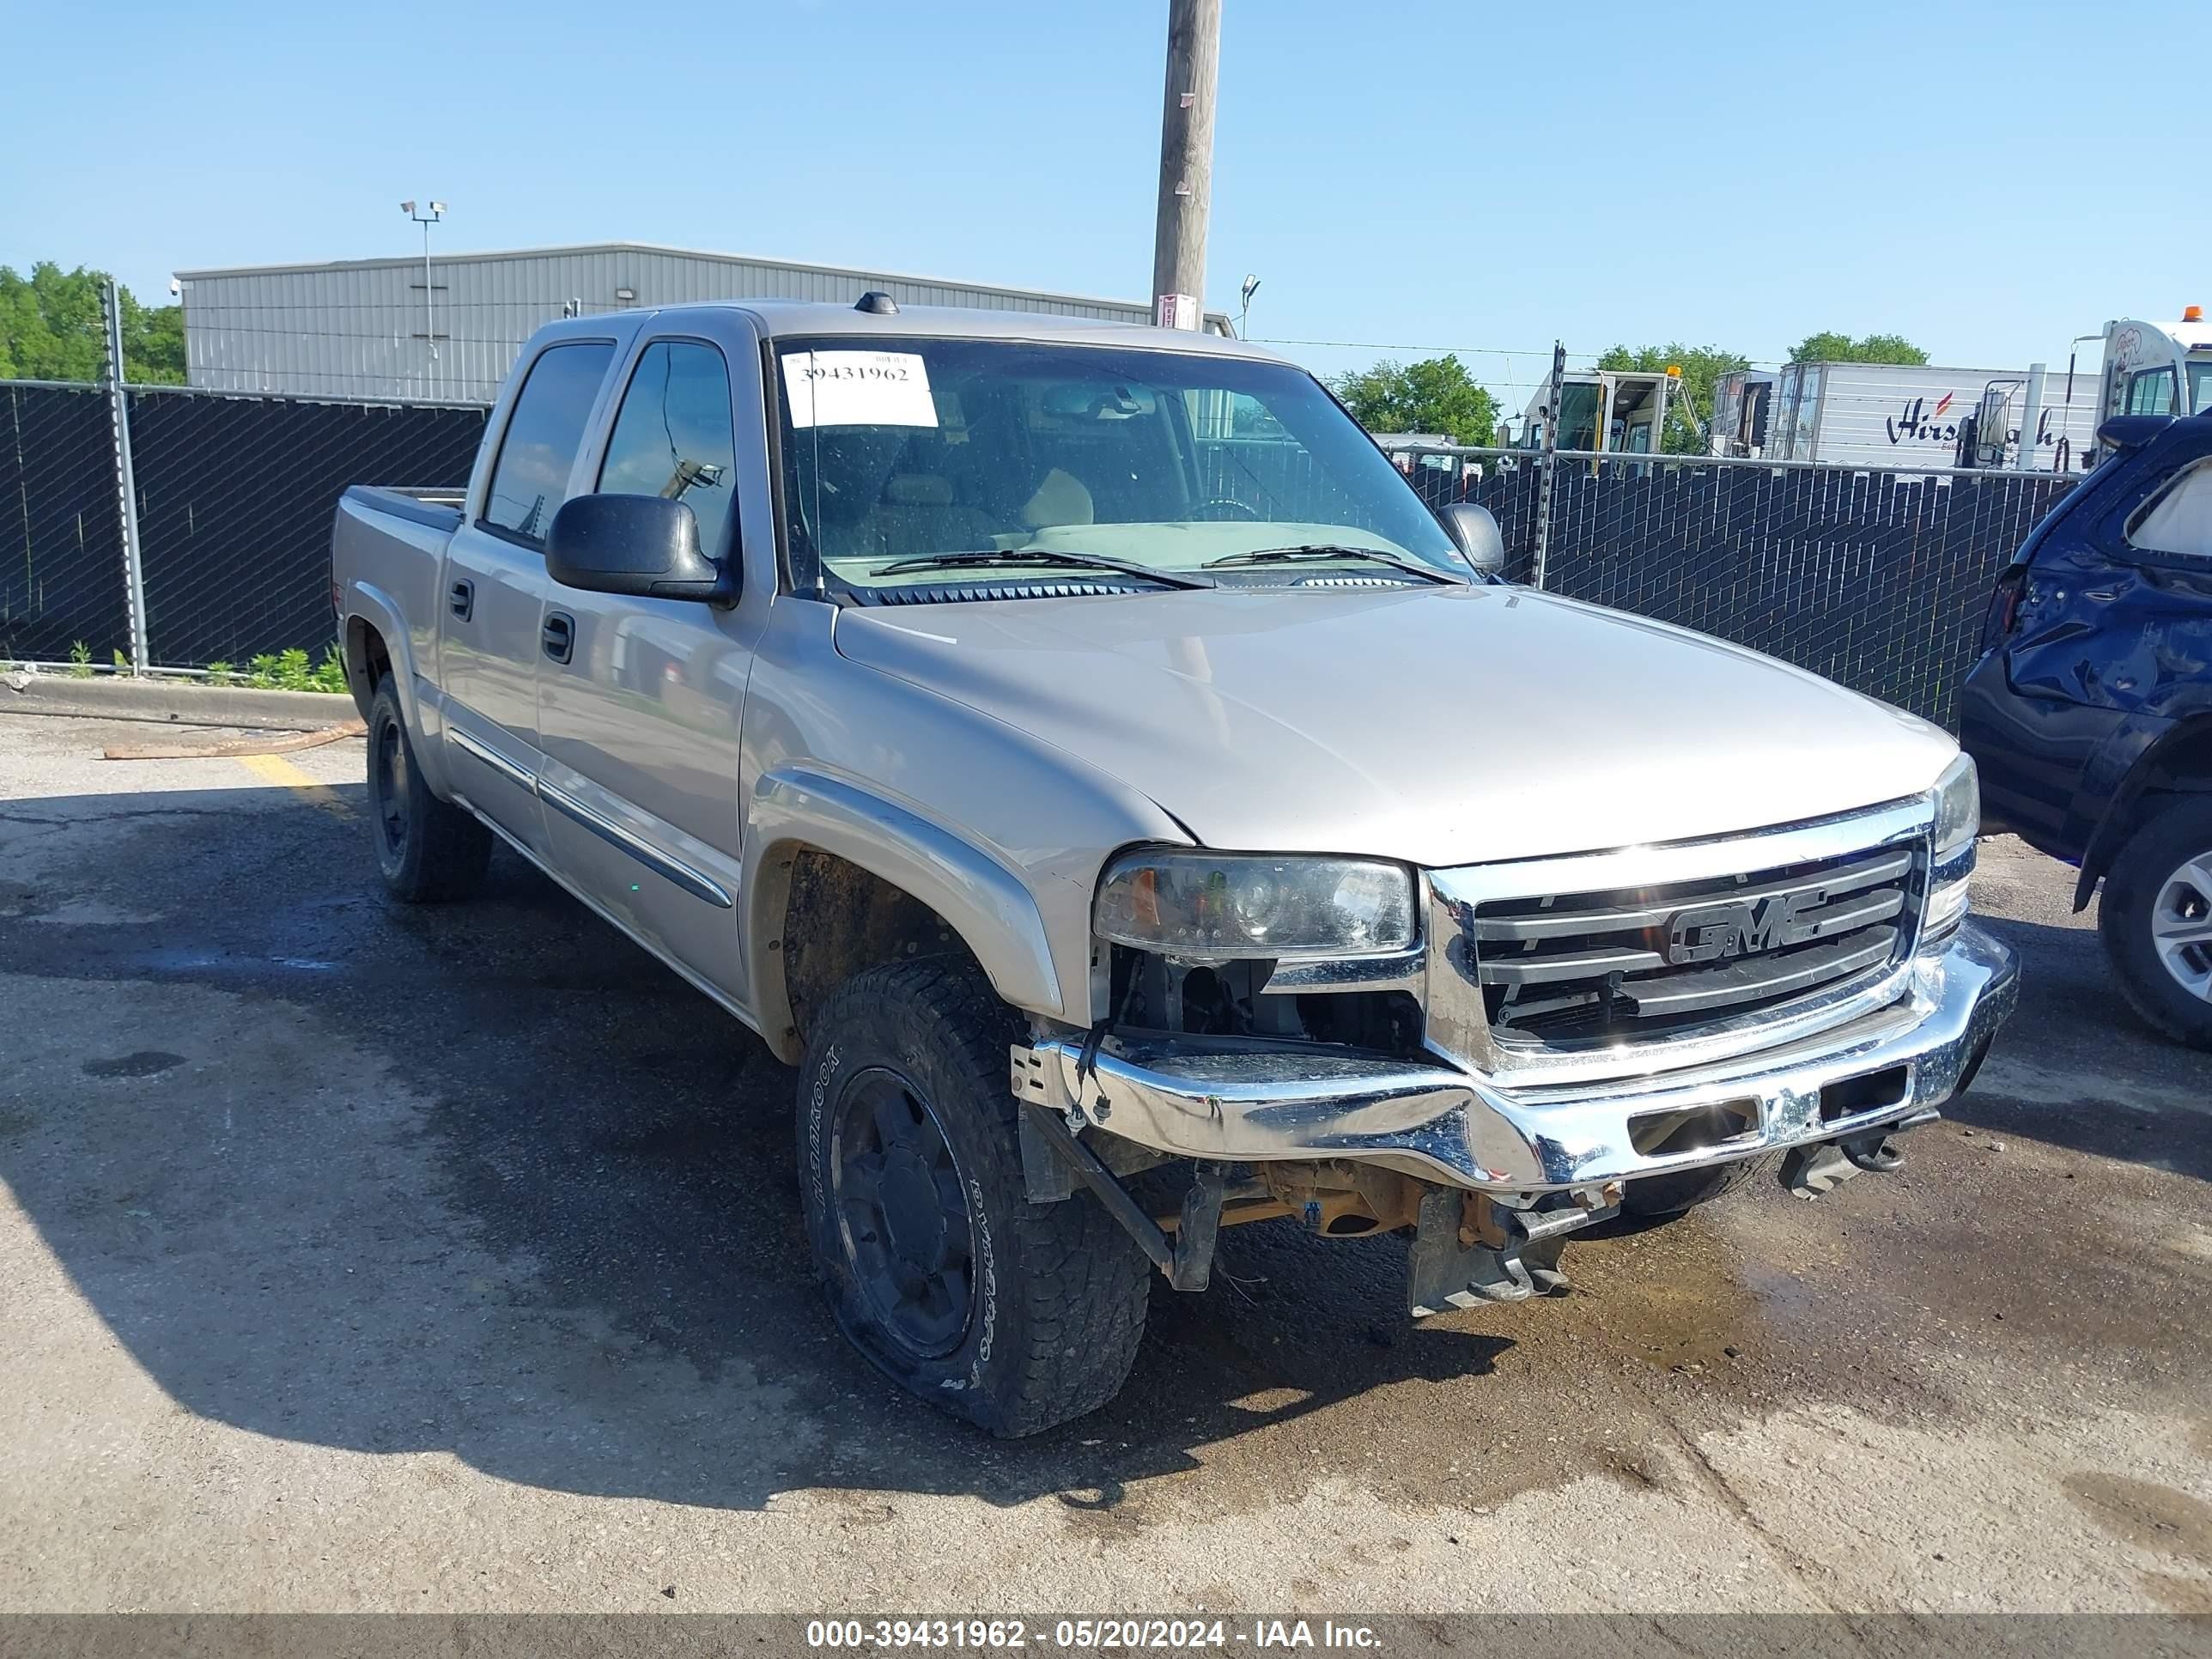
{"points": [[643, 545], [1471, 527]]}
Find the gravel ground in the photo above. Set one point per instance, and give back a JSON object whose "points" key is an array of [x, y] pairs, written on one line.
{"points": [[359, 1257]]}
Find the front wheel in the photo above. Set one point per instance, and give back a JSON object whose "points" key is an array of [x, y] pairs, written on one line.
{"points": [[2156, 920], [1015, 1316]]}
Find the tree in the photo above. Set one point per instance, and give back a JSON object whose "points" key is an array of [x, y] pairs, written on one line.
{"points": [[1830, 347], [1436, 395], [1701, 366], [52, 328]]}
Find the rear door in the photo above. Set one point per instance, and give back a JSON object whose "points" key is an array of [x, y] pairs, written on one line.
{"points": [[493, 589], [2113, 623], [640, 708]]}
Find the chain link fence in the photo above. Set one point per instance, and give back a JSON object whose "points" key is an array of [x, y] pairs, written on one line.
{"points": [[1876, 579], [62, 573], [234, 498], [235, 501]]}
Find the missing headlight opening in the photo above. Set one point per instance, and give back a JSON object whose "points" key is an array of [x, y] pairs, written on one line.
{"points": [[1151, 993]]}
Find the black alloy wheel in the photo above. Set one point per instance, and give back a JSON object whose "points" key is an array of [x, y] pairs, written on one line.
{"points": [[902, 1212]]}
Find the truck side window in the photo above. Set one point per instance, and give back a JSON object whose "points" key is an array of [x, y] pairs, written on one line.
{"points": [[2180, 521], [673, 435], [529, 479], [2151, 392]]}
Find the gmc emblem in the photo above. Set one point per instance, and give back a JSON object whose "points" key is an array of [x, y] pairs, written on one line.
{"points": [[1742, 928]]}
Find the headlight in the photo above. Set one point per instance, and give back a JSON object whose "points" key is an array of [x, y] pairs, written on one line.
{"points": [[1958, 808], [1958, 818], [1227, 906]]}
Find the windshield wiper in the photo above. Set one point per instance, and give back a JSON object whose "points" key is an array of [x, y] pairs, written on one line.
{"points": [[1045, 556], [1308, 551]]}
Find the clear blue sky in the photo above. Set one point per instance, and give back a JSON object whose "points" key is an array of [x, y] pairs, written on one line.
{"points": [[1987, 181]]}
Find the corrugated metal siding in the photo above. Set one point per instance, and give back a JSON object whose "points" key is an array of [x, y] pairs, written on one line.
{"points": [[357, 331]]}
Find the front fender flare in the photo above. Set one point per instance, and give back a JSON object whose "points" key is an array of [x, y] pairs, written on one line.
{"points": [[979, 896]]}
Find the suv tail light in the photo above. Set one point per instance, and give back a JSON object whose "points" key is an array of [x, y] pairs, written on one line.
{"points": [[2003, 614]]}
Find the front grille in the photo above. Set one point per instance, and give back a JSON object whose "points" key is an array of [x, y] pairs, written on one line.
{"points": [[1568, 970]]}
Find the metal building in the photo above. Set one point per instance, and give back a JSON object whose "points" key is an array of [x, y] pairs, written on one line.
{"points": [[364, 329]]}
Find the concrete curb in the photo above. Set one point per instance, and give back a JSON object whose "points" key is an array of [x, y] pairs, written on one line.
{"points": [[170, 702]]}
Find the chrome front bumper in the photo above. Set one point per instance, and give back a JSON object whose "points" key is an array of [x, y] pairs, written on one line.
{"points": [[1447, 1124]]}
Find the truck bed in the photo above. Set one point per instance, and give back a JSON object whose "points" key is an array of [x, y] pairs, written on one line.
{"points": [[388, 550], [435, 507]]}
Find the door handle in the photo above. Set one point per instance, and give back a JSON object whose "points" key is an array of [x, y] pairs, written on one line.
{"points": [[558, 634], [463, 598]]}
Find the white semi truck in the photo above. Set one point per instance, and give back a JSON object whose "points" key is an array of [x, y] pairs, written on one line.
{"points": [[2158, 369], [1901, 414]]}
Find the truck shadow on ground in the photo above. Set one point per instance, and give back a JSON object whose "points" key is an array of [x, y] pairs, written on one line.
{"points": [[2075, 1067], [486, 1179]]}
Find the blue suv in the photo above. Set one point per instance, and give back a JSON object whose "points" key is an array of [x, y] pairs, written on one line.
{"points": [[2090, 712]]}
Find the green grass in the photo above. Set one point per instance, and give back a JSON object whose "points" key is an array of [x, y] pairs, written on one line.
{"points": [[285, 671], [80, 666]]}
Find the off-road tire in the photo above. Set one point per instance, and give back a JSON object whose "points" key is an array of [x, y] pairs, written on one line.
{"points": [[1656, 1196], [2160, 848], [1057, 1306], [427, 850]]}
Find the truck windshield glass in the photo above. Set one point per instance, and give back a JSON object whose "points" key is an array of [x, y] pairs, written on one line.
{"points": [[898, 450]]}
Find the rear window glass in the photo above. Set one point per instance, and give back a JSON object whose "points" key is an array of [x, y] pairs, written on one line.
{"points": [[531, 478], [2179, 520]]}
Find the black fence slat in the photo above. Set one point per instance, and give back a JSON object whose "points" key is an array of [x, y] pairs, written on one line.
{"points": [[235, 501], [62, 582]]}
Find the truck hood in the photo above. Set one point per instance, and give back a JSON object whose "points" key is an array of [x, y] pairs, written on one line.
{"points": [[1438, 725]]}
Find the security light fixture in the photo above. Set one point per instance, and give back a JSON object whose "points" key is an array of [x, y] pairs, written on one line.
{"points": [[429, 304]]}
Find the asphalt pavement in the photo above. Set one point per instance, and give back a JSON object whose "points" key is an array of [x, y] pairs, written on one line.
{"points": [[359, 1256]]}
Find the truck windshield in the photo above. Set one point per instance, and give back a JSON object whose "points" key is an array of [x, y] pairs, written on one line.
{"points": [[898, 452], [2200, 386]]}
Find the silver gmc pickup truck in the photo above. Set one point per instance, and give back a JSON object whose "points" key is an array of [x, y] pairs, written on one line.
{"points": [[1078, 750]]}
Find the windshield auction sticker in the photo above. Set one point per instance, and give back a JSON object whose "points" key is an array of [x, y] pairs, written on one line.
{"points": [[858, 388]]}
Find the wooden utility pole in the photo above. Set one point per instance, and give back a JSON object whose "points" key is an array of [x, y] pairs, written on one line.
{"points": [[1186, 163]]}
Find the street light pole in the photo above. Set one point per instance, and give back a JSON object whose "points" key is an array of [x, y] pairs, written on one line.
{"points": [[429, 311], [1186, 163]]}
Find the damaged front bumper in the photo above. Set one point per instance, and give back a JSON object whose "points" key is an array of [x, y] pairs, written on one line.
{"points": [[1445, 1124]]}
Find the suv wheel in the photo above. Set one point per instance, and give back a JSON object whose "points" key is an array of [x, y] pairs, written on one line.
{"points": [[1015, 1316], [427, 849], [2156, 920]]}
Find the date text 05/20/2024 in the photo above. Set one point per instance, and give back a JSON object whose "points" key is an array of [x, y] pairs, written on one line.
{"points": [[1088, 1635]]}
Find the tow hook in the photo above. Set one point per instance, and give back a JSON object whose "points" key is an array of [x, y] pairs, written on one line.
{"points": [[1809, 1172], [1879, 1153], [1467, 1250]]}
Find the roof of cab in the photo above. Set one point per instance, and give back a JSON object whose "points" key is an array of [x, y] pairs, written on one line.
{"points": [[802, 319]]}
